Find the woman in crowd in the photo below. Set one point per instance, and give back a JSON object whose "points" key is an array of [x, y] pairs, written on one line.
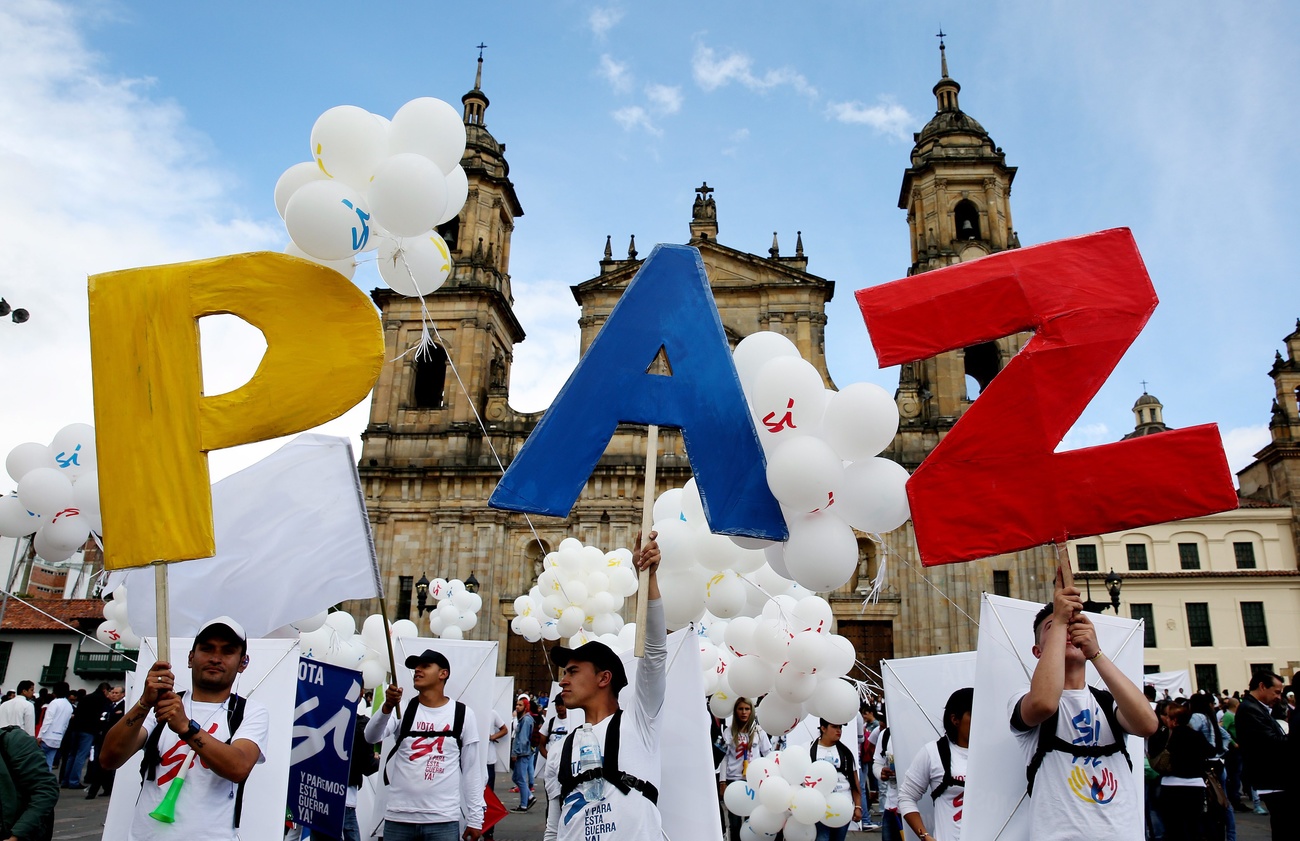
{"points": [[829, 748], [940, 768], [1182, 788], [745, 741], [1220, 823]]}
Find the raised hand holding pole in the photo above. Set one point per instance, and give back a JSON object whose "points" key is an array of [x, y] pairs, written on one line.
{"points": [[647, 522]]}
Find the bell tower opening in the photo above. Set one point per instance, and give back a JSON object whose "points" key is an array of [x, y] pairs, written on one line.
{"points": [[983, 361], [967, 218], [430, 379]]}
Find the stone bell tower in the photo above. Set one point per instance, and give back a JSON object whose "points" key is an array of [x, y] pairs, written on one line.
{"points": [[1275, 474], [957, 197]]}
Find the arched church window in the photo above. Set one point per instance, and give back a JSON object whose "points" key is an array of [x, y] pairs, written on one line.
{"points": [[450, 232], [967, 217], [430, 379], [982, 364]]}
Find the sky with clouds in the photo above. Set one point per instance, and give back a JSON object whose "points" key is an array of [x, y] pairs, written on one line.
{"points": [[138, 134]]}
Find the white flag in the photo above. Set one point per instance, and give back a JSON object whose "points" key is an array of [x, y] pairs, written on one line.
{"points": [[292, 538]]}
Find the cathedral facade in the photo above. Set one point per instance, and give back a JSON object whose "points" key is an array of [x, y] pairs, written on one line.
{"points": [[441, 429]]}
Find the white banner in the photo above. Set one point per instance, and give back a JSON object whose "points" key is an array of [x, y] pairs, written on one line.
{"points": [[504, 705], [916, 691], [271, 679], [997, 807], [292, 538]]}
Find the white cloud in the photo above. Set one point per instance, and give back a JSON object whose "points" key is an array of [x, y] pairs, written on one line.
{"points": [[101, 175], [616, 73], [601, 20], [664, 98], [885, 117], [543, 362], [1241, 443], [633, 117], [737, 137], [712, 72]]}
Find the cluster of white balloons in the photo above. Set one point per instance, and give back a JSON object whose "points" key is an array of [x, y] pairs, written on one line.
{"points": [[58, 493], [116, 627], [821, 449], [788, 792], [333, 638], [788, 657], [379, 184], [578, 596], [457, 608]]}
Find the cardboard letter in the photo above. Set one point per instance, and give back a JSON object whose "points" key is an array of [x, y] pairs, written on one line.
{"points": [[668, 304], [995, 483], [153, 425]]}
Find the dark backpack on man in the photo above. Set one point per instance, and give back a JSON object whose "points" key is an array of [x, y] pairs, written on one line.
{"points": [[152, 757], [1048, 741]]}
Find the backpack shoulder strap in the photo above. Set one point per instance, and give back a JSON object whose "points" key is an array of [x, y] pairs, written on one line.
{"points": [[458, 722], [1046, 736], [945, 761], [884, 739], [847, 766], [403, 732], [565, 774], [234, 718], [1106, 701], [149, 761]]}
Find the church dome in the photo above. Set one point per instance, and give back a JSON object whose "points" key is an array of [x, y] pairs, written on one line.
{"points": [[953, 122], [1147, 400]]}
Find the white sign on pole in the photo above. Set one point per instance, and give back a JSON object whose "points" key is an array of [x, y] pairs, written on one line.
{"points": [[504, 705], [997, 807], [472, 682], [916, 691], [271, 679]]}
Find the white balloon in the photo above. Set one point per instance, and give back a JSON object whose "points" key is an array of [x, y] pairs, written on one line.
{"points": [[607, 623], [812, 614], [860, 421], [524, 605], [740, 798], [342, 623], [774, 793], [312, 623], [457, 193], [692, 505], [669, 505], [794, 765], [372, 674], [346, 267], [839, 658], [622, 582], [429, 127], [756, 350], [676, 540], [683, 597], [748, 833], [771, 641], [807, 652], [73, 449], [787, 399], [27, 457], [107, 632], [822, 776], [750, 676], [347, 143], [529, 627], [762, 769], [778, 716], [837, 701], [328, 220], [822, 551], [85, 498], [714, 552], [67, 530], [749, 560], [873, 496], [414, 266], [805, 474], [796, 830], [130, 639], [45, 491], [467, 621], [740, 636], [452, 632], [839, 809], [438, 588], [570, 621], [724, 594], [792, 685], [316, 644], [775, 558], [438, 622], [722, 702], [405, 629], [765, 820], [293, 178], [807, 806], [15, 519], [408, 194]]}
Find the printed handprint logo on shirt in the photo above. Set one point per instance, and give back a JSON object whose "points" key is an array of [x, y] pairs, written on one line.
{"points": [[1098, 789]]}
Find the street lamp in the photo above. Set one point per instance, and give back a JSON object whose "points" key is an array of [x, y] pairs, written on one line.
{"points": [[421, 595], [471, 583], [18, 316], [1113, 583]]}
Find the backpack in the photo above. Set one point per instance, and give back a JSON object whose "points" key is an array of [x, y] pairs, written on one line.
{"points": [[407, 730], [234, 718], [1048, 741], [945, 760], [846, 762], [46, 830], [608, 770]]}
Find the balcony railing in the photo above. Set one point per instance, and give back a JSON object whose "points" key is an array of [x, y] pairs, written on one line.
{"points": [[103, 664]]}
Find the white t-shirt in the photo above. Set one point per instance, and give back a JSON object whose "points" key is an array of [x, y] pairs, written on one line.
{"points": [[57, 715], [19, 711], [205, 810], [555, 729], [884, 759], [497, 722], [617, 816], [925, 775], [741, 750], [431, 777], [1084, 797]]}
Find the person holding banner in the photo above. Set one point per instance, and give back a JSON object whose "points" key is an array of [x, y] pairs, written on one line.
{"points": [[433, 772], [208, 739], [609, 767], [1079, 772], [940, 768]]}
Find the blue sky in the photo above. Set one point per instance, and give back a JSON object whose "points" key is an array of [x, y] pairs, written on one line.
{"points": [[135, 134]]}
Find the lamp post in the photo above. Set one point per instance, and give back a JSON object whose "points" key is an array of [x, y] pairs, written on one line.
{"points": [[422, 595], [18, 316], [1113, 583], [471, 583]]}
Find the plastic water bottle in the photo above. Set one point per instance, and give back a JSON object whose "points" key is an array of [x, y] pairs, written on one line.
{"points": [[587, 755]]}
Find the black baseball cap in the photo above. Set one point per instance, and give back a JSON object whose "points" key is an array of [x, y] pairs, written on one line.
{"points": [[426, 657], [599, 655]]}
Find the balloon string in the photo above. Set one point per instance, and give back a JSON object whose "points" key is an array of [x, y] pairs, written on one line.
{"points": [[95, 640]]}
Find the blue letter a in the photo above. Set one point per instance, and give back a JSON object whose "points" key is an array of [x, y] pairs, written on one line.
{"points": [[667, 305]]}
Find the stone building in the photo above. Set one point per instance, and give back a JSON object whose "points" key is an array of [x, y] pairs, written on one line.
{"points": [[439, 433]]}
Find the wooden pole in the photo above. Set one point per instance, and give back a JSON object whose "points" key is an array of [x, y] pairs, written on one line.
{"points": [[1063, 565], [163, 617], [647, 523], [388, 638]]}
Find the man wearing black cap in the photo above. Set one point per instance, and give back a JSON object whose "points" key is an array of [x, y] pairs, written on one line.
{"points": [[225, 733], [609, 767], [433, 772]]}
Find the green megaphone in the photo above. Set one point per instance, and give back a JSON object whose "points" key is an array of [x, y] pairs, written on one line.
{"points": [[166, 811]]}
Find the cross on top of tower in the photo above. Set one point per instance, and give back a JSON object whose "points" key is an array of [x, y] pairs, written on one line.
{"points": [[481, 47], [1144, 386], [704, 189]]}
